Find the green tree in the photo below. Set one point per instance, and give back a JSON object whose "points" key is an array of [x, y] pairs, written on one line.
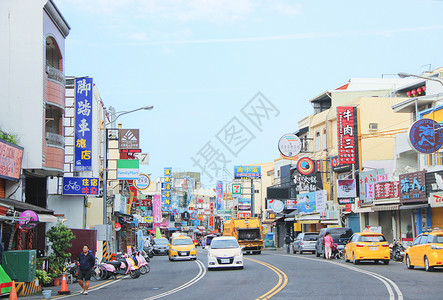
{"points": [[60, 237]]}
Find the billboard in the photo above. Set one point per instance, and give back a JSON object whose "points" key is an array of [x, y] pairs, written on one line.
{"points": [[128, 138], [347, 130], [346, 188], [10, 160], [83, 125], [306, 203]]}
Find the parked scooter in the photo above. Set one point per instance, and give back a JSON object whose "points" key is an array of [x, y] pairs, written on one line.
{"points": [[149, 251], [142, 264], [122, 266], [398, 251]]}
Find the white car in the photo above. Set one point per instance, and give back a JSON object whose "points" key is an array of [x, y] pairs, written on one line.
{"points": [[225, 252]]}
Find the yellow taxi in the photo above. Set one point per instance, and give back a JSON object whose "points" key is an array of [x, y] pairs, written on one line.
{"points": [[367, 246], [426, 251], [182, 247]]}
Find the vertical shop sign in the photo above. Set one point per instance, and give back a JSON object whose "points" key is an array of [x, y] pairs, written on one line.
{"points": [[167, 190], [347, 135], [83, 124], [157, 212], [219, 193]]}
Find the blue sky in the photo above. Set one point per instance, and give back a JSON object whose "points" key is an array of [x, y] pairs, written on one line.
{"points": [[199, 62]]}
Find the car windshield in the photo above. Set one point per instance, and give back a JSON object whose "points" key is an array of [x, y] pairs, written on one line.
{"points": [[179, 242], [160, 241], [310, 237], [340, 233], [372, 238], [224, 244]]}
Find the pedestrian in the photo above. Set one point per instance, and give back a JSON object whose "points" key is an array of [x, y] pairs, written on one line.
{"points": [[288, 241], [328, 245], [86, 262]]}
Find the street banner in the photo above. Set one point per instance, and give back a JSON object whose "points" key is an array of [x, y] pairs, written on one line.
{"points": [[157, 209], [219, 195], [83, 124], [80, 186]]}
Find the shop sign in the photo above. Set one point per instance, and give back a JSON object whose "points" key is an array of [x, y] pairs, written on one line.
{"points": [[434, 182], [236, 189], [211, 221], [387, 190], [80, 186], [166, 191], [157, 212], [347, 135], [346, 188], [247, 172], [127, 169], [219, 194], [366, 182], [382, 177], [28, 219], [320, 199], [244, 214], [413, 187], [291, 204], [425, 136], [276, 205], [120, 203], [212, 208], [128, 138], [289, 145], [436, 200], [306, 203], [308, 183], [83, 124], [244, 204], [118, 227], [336, 167], [345, 201], [10, 160], [143, 182], [305, 166]]}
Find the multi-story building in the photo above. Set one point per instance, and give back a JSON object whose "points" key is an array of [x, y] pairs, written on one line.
{"points": [[32, 93]]}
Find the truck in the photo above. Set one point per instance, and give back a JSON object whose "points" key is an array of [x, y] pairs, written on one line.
{"points": [[248, 231]]}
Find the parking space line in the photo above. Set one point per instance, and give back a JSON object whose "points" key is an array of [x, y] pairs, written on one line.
{"points": [[282, 279]]}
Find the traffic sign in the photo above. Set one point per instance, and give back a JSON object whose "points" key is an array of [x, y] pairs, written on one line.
{"points": [[236, 189]]}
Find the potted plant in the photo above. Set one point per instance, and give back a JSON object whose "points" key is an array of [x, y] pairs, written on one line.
{"points": [[60, 237], [42, 277]]}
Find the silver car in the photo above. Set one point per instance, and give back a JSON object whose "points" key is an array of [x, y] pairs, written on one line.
{"points": [[305, 241]]}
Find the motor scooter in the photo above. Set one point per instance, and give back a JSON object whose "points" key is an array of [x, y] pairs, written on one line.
{"points": [[122, 266], [398, 251], [149, 251], [142, 264]]}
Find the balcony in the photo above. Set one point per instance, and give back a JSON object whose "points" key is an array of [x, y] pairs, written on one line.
{"points": [[55, 75], [55, 140]]}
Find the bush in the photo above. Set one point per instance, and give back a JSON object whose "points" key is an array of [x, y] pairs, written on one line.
{"points": [[60, 237]]}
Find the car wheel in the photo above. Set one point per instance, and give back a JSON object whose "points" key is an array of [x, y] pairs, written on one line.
{"points": [[294, 251], [170, 259], [241, 268], [408, 263], [346, 258], [376, 261], [356, 262], [316, 253], [386, 262], [428, 268], [301, 252]]}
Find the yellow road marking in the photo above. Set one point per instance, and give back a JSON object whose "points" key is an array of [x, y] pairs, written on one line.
{"points": [[282, 280]]}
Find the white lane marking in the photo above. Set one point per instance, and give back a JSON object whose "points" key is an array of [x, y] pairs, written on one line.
{"points": [[200, 275], [383, 279], [92, 289]]}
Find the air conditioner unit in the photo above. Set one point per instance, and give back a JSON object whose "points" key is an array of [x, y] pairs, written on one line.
{"points": [[373, 126]]}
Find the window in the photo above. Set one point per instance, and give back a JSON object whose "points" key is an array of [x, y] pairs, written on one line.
{"points": [[53, 56], [373, 238], [324, 139], [317, 141]]}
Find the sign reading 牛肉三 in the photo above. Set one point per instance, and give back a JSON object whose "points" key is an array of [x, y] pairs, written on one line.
{"points": [[83, 124]]}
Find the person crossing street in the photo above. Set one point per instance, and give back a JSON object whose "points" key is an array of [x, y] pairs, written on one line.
{"points": [[288, 241], [86, 262]]}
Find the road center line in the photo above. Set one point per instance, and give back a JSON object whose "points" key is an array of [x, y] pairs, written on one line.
{"points": [[386, 281], [200, 275], [282, 279]]}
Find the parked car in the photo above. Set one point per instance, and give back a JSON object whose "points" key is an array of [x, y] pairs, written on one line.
{"points": [[426, 251], [367, 246], [225, 252], [160, 246], [305, 241], [339, 234]]}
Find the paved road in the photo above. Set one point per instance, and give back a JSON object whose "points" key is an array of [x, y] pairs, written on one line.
{"points": [[271, 275]]}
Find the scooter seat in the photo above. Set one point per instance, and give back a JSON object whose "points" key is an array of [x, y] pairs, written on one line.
{"points": [[114, 263]]}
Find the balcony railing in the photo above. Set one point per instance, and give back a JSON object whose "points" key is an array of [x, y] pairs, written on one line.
{"points": [[54, 139], [55, 75]]}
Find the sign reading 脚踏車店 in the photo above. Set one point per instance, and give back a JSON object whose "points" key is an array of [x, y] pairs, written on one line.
{"points": [[413, 187], [128, 138], [347, 128], [10, 160], [127, 169], [80, 186], [83, 124]]}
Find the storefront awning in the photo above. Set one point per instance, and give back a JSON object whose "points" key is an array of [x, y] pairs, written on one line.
{"points": [[363, 210], [414, 206], [385, 207], [44, 218], [22, 206]]}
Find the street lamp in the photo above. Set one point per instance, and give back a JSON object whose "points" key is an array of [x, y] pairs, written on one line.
{"points": [[404, 75], [116, 115]]}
